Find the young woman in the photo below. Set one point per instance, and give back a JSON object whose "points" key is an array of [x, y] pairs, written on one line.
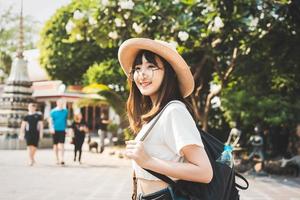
{"points": [[32, 130], [79, 128], [157, 76]]}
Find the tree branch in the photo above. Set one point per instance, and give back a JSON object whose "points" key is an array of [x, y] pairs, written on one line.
{"points": [[231, 66], [217, 68], [199, 67]]}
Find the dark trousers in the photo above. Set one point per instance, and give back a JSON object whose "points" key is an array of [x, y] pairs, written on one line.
{"points": [[78, 148], [163, 194]]}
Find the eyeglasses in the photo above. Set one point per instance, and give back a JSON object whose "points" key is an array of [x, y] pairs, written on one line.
{"points": [[147, 72]]}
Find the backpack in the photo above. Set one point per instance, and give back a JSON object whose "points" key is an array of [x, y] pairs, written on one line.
{"points": [[223, 185]]}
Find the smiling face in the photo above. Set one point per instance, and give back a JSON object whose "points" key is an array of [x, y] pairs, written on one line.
{"points": [[148, 77], [153, 83]]}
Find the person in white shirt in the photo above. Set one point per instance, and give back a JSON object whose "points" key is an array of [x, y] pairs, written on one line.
{"points": [[158, 75]]}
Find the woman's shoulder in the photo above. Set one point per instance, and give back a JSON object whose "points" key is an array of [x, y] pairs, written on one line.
{"points": [[175, 105], [25, 118], [175, 109]]}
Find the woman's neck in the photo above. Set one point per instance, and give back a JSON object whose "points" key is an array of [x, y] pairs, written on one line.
{"points": [[153, 100]]}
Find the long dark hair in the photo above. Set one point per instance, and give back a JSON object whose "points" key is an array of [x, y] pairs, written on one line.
{"points": [[140, 109]]}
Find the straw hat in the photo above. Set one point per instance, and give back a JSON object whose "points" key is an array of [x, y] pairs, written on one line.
{"points": [[129, 49]]}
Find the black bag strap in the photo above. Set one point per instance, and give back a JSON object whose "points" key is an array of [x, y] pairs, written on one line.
{"points": [[166, 179], [154, 122], [173, 183], [162, 177], [158, 175], [244, 179]]}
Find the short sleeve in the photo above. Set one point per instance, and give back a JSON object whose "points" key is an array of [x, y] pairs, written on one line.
{"points": [[180, 128], [25, 118], [40, 117]]}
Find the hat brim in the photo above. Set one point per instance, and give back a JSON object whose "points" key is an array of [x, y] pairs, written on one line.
{"points": [[130, 48]]}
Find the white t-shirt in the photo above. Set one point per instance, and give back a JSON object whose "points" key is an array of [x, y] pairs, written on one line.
{"points": [[174, 130]]}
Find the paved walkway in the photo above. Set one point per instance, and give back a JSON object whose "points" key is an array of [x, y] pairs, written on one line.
{"points": [[100, 177], [272, 188]]}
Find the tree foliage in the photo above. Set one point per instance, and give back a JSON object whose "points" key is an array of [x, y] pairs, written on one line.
{"points": [[65, 60], [216, 38], [9, 36], [265, 86], [108, 73], [9, 31]]}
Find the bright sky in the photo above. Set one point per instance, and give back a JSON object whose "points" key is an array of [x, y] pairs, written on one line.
{"points": [[40, 10]]}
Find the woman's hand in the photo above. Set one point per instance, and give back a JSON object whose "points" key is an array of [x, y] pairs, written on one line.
{"points": [[135, 150]]}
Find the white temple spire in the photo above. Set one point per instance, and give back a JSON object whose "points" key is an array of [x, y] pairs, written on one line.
{"points": [[21, 34]]}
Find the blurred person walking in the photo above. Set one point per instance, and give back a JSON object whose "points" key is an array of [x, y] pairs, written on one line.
{"points": [[58, 126], [102, 129], [32, 130], [79, 128]]}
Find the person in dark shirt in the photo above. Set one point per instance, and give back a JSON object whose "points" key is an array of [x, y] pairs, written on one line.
{"points": [[32, 130], [102, 130], [79, 128]]}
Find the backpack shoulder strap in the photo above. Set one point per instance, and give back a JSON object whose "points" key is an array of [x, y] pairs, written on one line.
{"points": [[162, 177], [155, 120], [158, 175], [244, 179]]}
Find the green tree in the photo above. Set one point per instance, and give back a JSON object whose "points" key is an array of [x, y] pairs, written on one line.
{"points": [[109, 73], [265, 87], [9, 36], [9, 31], [5, 62], [213, 36], [65, 60]]}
